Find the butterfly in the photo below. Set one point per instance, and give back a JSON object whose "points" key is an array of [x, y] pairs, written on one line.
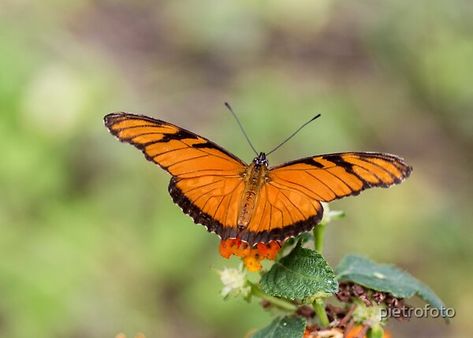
{"points": [[252, 202]]}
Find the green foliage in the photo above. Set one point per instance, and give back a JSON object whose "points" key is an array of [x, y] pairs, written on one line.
{"points": [[385, 278], [303, 273], [285, 327]]}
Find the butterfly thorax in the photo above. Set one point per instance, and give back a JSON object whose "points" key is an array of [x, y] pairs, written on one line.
{"points": [[254, 177]]}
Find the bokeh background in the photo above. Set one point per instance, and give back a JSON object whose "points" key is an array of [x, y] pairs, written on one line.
{"points": [[91, 244]]}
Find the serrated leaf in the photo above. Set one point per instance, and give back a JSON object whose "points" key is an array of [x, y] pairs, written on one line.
{"points": [[385, 278], [285, 327], [301, 274]]}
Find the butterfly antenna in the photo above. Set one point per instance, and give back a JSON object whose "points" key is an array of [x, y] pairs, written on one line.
{"points": [[293, 134], [241, 127]]}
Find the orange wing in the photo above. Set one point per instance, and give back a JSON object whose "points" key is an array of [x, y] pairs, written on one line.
{"points": [[281, 212], [290, 200], [333, 176], [207, 180]]}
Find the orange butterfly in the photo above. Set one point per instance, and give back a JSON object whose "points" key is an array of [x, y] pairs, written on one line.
{"points": [[252, 202]]}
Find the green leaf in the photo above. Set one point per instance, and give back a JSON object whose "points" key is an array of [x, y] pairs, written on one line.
{"points": [[285, 327], [385, 278], [301, 274]]}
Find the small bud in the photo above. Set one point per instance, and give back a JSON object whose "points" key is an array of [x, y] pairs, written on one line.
{"points": [[305, 311], [378, 297], [343, 294], [330, 215], [357, 290]]}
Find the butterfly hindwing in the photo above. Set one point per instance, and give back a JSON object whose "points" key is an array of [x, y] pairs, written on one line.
{"points": [[214, 205], [282, 213]]}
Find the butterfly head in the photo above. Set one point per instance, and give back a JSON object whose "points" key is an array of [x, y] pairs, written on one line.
{"points": [[261, 160]]}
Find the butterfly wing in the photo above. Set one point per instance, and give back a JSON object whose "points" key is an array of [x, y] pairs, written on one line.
{"points": [[334, 176], [281, 212], [206, 179], [290, 200]]}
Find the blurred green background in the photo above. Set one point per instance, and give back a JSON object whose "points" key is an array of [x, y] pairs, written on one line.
{"points": [[90, 241]]}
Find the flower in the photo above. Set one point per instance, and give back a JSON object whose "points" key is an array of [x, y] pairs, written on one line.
{"points": [[234, 282], [367, 314], [251, 256]]}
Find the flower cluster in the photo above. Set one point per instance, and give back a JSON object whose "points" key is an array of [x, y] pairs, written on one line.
{"points": [[234, 282], [251, 256]]}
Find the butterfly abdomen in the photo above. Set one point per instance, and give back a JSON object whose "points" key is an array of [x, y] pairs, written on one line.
{"points": [[254, 178]]}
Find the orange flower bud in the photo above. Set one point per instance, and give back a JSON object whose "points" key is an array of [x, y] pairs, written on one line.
{"points": [[251, 256], [252, 264]]}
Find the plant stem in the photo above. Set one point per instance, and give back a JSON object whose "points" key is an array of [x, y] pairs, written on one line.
{"points": [[319, 304], [319, 232], [280, 303], [319, 307]]}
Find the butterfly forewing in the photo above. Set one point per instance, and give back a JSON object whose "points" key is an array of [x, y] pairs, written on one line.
{"points": [[333, 176], [176, 150]]}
